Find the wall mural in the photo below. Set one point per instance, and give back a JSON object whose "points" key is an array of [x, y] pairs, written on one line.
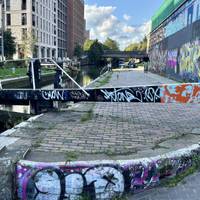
{"points": [[103, 180], [187, 57], [158, 59], [172, 61], [185, 93], [186, 15], [190, 61], [185, 60]]}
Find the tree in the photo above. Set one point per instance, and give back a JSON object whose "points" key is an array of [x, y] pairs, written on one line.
{"points": [[78, 51], [132, 47], [111, 44], [141, 46], [95, 52], [28, 45], [87, 45], [9, 44]]}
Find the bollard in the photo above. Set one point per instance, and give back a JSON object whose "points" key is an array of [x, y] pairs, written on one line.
{"points": [[58, 76], [35, 78]]}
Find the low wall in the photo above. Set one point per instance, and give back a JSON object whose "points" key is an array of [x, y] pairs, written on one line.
{"points": [[23, 82], [100, 179]]}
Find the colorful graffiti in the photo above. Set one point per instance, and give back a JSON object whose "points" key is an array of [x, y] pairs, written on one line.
{"points": [[187, 14], [179, 93], [190, 61], [98, 180], [158, 59], [172, 60], [185, 93], [185, 64]]}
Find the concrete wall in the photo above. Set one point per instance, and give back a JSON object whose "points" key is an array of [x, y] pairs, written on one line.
{"points": [[24, 82], [175, 47], [101, 179]]}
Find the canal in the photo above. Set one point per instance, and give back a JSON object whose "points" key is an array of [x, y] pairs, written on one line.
{"points": [[12, 115]]}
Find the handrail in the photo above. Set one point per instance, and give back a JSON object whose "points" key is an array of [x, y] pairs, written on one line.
{"points": [[69, 77], [33, 74]]}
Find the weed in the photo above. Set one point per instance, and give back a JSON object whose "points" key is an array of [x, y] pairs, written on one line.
{"points": [[104, 80], [172, 182], [87, 116], [158, 146], [71, 156], [36, 144]]}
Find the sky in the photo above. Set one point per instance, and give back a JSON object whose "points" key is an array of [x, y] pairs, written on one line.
{"points": [[126, 21]]}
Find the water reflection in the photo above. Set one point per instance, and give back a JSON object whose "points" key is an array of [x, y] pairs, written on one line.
{"points": [[84, 77], [15, 108]]}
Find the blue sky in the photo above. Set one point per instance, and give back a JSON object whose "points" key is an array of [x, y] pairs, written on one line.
{"points": [[126, 21]]}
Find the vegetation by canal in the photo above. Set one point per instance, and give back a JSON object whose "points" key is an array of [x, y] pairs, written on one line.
{"points": [[14, 72]]}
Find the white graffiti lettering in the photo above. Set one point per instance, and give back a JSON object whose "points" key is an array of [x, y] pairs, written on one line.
{"points": [[53, 95], [132, 95], [78, 95]]}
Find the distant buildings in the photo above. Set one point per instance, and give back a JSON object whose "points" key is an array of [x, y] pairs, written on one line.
{"points": [[75, 24], [45, 28]]}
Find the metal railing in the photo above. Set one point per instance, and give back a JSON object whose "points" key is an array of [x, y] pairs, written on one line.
{"points": [[52, 63]]}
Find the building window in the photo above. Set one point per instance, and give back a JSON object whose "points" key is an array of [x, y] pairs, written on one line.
{"points": [[8, 19], [23, 4], [7, 5], [33, 20], [24, 19], [24, 33], [33, 5]]}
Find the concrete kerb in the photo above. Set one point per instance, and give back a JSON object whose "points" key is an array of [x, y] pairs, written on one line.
{"points": [[101, 179], [13, 150]]}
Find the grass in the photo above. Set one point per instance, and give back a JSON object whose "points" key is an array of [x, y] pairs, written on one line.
{"points": [[87, 116], [104, 80], [173, 182], [71, 156], [9, 72]]}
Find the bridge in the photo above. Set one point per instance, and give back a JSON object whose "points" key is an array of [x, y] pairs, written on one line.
{"points": [[36, 98], [125, 54]]}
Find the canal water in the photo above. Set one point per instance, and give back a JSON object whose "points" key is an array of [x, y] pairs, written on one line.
{"points": [[10, 115]]}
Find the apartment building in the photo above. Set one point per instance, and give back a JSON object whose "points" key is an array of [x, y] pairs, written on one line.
{"points": [[75, 25], [33, 23], [62, 28]]}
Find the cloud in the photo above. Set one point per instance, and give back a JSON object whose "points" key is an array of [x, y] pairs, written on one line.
{"points": [[126, 17], [103, 23]]}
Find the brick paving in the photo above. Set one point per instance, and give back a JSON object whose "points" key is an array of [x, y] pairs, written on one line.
{"points": [[117, 130]]}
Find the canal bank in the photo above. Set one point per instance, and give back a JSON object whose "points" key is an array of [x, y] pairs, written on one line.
{"points": [[52, 145]]}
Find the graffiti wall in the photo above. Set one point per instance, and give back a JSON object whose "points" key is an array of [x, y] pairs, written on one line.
{"points": [[98, 180], [179, 51], [139, 94], [185, 93]]}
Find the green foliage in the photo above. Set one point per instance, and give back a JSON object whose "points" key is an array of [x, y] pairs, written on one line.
{"points": [[78, 51], [71, 156], [95, 53], [88, 116], [103, 81], [110, 44], [9, 45], [141, 46], [87, 45], [28, 45]]}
